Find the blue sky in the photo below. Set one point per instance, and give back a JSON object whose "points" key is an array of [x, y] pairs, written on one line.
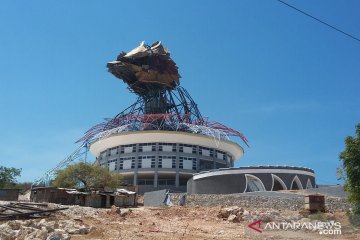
{"points": [[290, 84]]}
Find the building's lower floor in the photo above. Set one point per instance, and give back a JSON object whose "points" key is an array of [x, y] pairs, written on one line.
{"points": [[147, 181]]}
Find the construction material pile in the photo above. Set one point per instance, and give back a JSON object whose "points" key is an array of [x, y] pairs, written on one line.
{"points": [[146, 68], [43, 229], [18, 210]]}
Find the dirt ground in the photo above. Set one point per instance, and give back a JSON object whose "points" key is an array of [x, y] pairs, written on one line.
{"points": [[189, 223]]}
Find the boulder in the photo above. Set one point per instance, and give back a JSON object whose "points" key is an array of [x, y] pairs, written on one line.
{"points": [[115, 210], [59, 234], [234, 218], [224, 213], [6, 233], [14, 225], [125, 212]]}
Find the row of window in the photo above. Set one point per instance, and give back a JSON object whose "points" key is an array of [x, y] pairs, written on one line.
{"points": [[164, 162], [161, 182], [165, 147]]}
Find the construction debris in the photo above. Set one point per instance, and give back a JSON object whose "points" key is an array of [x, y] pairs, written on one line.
{"points": [[145, 68], [42, 229], [18, 210], [232, 214]]}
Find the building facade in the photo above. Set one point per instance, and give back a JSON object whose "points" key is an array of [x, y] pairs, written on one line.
{"points": [[155, 160], [251, 179]]}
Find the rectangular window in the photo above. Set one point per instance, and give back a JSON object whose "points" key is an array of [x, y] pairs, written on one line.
{"points": [[133, 163], [167, 161], [121, 164], [113, 151], [145, 181], [206, 151], [221, 155], [126, 162], [166, 182], [112, 165], [187, 148], [153, 162], [146, 162], [147, 147], [128, 148], [187, 163], [167, 147]]}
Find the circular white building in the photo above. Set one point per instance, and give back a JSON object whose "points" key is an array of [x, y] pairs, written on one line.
{"points": [[158, 159]]}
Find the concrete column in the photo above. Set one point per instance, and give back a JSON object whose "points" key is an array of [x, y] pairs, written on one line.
{"points": [[156, 166], [197, 159], [155, 179], [135, 178], [214, 157], [136, 164], [177, 166]]}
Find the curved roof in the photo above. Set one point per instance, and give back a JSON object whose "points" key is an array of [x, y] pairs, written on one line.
{"points": [[255, 170]]}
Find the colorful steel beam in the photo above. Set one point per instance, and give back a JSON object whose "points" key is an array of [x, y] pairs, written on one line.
{"points": [[168, 121]]}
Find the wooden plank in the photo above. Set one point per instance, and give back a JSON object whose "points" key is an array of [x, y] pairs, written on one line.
{"points": [[24, 214], [31, 203], [10, 208], [27, 207]]}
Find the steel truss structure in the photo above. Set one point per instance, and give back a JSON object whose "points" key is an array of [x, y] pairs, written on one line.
{"points": [[168, 122], [161, 104], [80, 154], [170, 110]]}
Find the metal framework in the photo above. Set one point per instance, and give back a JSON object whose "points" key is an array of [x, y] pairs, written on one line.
{"points": [[80, 154], [161, 104], [168, 122]]}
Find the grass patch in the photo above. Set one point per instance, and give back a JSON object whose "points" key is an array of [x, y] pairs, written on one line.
{"points": [[318, 216]]}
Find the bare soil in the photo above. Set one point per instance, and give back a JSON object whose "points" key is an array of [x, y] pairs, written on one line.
{"points": [[190, 223]]}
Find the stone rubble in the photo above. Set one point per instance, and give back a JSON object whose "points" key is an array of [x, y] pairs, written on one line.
{"points": [[237, 214], [42, 229], [232, 214]]}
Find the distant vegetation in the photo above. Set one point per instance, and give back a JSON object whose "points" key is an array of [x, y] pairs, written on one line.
{"points": [[8, 176], [350, 170], [87, 176]]}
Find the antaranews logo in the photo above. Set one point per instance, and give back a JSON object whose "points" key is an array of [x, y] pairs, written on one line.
{"points": [[325, 228], [256, 226]]}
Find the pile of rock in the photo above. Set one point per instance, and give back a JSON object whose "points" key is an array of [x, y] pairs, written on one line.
{"points": [[117, 211], [231, 214], [238, 214], [75, 211], [42, 230]]}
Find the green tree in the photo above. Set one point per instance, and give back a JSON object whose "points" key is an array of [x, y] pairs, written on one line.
{"points": [[350, 170], [8, 176], [86, 175]]}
